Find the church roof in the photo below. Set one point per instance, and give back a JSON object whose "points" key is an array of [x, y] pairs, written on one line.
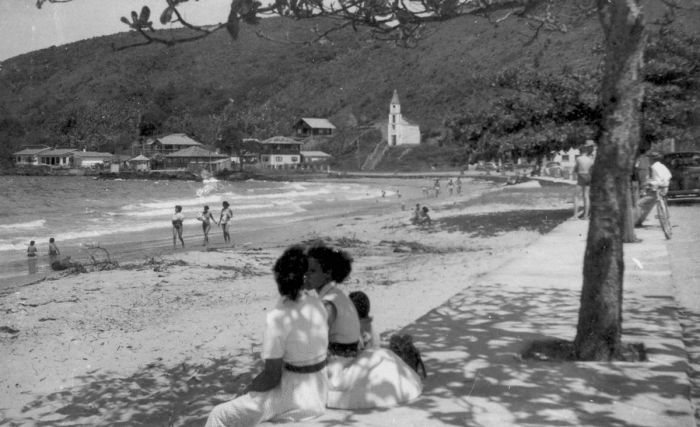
{"points": [[395, 98]]}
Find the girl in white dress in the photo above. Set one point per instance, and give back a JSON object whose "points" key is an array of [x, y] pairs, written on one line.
{"points": [[373, 377], [294, 383]]}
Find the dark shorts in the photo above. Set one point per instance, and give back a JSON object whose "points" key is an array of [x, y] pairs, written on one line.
{"points": [[584, 179]]}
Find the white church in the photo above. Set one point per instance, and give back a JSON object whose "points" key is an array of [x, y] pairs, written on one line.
{"points": [[400, 130]]}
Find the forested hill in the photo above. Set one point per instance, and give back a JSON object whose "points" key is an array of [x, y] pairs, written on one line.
{"points": [[87, 94]]}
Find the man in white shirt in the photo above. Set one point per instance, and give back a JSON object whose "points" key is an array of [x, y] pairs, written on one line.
{"points": [[659, 179]]}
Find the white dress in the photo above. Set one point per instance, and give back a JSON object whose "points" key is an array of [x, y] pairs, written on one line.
{"points": [[376, 377], [296, 331]]}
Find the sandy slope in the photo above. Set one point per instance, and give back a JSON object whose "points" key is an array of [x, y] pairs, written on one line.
{"points": [[159, 341]]}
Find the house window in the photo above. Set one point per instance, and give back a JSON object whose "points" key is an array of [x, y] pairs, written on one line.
{"points": [[278, 159], [393, 118], [565, 158], [393, 139], [295, 159], [393, 127], [265, 158]]}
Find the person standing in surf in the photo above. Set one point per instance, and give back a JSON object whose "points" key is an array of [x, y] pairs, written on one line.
{"points": [[177, 220], [206, 219], [225, 221]]}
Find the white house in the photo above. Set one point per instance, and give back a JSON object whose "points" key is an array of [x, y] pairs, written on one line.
{"points": [[88, 159], [400, 130]]}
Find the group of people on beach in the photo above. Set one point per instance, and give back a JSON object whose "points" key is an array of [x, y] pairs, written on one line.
{"points": [[435, 189], [207, 218], [33, 253], [319, 348]]}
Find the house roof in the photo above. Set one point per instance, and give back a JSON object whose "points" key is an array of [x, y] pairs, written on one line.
{"points": [[315, 123], [140, 158], [178, 139], [91, 154], [31, 151], [281, 140], [315, 154], [58, 152], [196, 152]]}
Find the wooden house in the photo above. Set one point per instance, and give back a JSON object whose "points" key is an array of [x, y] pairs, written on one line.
{"points": [[311, 127]]}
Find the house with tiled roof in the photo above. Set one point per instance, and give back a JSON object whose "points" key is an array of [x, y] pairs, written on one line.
{"points": [[196, 157], [88, 159], [169, 144], [280, 152], [57, 157], [310, 127], [29, 155]]}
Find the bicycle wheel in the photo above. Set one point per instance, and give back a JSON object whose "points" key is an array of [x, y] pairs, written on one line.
{"points": [[664, 217]]}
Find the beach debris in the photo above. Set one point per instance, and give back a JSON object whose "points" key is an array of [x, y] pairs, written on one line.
{"points": [[9, 330]]}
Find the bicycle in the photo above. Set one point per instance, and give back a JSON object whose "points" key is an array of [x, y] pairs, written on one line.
{"points": [[663, 213]]}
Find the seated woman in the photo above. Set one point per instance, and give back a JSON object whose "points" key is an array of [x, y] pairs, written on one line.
{"points": [[371, 378], [294, 382]]}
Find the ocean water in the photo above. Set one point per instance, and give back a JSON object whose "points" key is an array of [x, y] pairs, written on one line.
{"points": [[85, 211]]}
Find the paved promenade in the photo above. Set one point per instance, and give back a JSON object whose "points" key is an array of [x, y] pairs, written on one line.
{"points": [[472, 342]]}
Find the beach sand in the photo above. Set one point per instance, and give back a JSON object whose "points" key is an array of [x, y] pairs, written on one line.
{"points": [[167, 335]]}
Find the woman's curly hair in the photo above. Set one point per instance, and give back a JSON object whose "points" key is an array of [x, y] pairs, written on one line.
{"points": [[337, 263], [289, 270]]}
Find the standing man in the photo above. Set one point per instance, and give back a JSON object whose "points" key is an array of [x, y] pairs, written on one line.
{"points": [[658, 181], [225, 221], [583, 169]]}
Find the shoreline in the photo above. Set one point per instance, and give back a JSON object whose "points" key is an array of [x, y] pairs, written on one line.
{"points": [[162, 340]]}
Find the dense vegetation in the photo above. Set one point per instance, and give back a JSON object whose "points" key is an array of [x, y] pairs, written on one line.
{"points": [[482, 94]]}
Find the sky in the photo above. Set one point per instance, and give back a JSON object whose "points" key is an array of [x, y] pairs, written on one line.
{"points": [[24, 28]]}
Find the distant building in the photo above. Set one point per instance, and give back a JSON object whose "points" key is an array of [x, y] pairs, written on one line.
{"points": [[280, 152], [168, 144], [88, 159], [315, 157], [193, 157], [310, 127], [400, 131], [139, 163], [57, 157], [29, 155]]}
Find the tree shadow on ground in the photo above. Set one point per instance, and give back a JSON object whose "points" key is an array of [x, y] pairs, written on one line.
{"points": [[155, 395], [492, 224], [472, 345]]}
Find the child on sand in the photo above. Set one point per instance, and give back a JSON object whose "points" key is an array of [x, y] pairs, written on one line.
{"points": [[224, 221], [369, 337], [31, 250]]}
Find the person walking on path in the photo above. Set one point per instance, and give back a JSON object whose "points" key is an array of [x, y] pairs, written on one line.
{"points": [[177, 221], [450, 186], [583, 169], [225, 221], [459, 185], [293, 384], [207, 218], [658, 182], [436, 187]]}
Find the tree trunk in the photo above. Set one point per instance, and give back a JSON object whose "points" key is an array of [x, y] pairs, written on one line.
{"points": [[600, 314]]}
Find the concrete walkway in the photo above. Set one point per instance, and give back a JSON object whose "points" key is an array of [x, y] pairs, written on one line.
{"points": [[471, 346]]}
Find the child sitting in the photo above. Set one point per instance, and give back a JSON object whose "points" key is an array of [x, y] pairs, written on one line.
{"points": [[369, 337]]}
